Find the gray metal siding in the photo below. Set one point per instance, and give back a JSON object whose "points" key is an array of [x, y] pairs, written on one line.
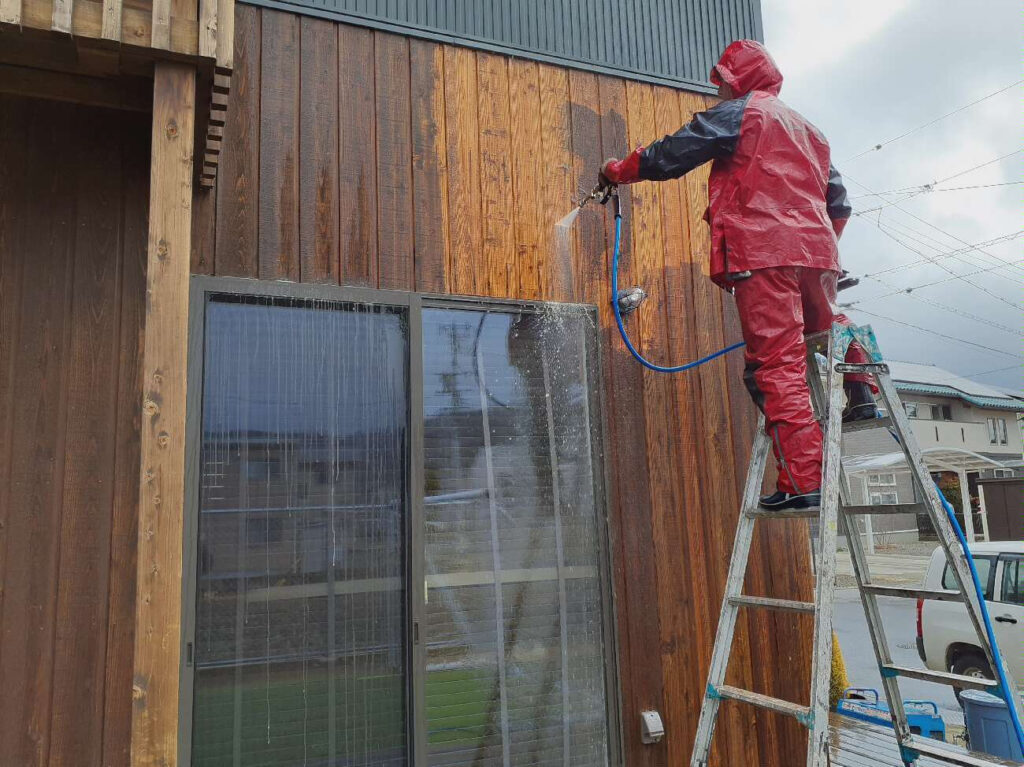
{"points": [[668, 41]]}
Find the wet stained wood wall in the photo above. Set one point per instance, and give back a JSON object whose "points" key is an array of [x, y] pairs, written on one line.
{"points": [[359, 157], [74, 186]]}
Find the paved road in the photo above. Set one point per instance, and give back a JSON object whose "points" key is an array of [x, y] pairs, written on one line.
{"points": [[900, 620]]}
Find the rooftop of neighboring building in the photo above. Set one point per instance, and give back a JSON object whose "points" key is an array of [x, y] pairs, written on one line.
{"points": [[935, 381]]}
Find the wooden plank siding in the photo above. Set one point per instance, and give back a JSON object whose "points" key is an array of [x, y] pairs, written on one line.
{"points": [[444, 169], [72, 292]]}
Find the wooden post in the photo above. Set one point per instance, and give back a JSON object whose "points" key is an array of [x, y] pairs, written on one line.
{"points": [[984, 512], [161, 496], [965, 504]]}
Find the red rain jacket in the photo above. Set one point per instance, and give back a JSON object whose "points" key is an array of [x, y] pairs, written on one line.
{"points": [[774, 197]]}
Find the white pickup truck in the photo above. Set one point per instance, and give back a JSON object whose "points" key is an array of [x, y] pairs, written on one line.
{"points": [[946, 640]]}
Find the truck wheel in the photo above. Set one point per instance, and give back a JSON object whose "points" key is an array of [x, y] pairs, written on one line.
{"points": [[970, 664]]}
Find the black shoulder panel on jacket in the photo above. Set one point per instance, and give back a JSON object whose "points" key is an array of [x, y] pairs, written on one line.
{"points": [[709, 135], [835, 196]]}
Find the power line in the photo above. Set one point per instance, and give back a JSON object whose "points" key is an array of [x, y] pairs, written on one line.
{"points": [[911, 192], [959, 254], [947, 234], [852, 304], [976, 167], [950, 254], [927, 188], [982, 373], [970, 254], [951, 309], [939, 246], [877, 147], [982, 288], [937, 333]]}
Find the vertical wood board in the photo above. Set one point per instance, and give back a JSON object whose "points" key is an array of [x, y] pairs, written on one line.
{"points": [[161, 497]]}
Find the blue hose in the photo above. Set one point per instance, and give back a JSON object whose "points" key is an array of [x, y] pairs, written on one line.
{"points": [[1005, 689], [622, 330]]}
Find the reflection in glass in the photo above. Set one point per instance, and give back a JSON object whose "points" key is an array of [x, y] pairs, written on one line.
{"points": [[515, 653], [300, 651]]}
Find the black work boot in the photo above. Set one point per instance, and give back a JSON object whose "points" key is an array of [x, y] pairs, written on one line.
{"points": [[860, 402], [780, 501]]}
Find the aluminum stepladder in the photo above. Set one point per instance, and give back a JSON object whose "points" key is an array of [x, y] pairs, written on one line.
{"points": [[836, 511]]}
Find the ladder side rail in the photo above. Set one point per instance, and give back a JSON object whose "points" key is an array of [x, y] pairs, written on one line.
{"points": [[876, 630], [869, 602], [947, 537], [726, 630], [821, 662]]}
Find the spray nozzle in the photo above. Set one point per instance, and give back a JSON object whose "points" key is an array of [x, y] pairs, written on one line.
{"points": [[601, 193]]}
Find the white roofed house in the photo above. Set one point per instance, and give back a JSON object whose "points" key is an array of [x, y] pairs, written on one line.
{"points": [[967, 431]]}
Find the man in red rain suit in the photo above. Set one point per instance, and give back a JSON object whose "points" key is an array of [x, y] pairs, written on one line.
{"points": [[776, 209]]}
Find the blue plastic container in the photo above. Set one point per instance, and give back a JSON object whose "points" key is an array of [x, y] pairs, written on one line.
{"points": [[863, 703], [989, 725]]}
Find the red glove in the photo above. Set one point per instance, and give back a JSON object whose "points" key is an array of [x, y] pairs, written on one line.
{"points": [[838, 225], [625, 171]]}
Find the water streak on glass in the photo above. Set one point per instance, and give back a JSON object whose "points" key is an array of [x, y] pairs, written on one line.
{"points": [[515, 643], [300, 651]]}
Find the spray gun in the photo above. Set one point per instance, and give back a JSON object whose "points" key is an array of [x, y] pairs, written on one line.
{"points": [[630, 299], [601, 193]]}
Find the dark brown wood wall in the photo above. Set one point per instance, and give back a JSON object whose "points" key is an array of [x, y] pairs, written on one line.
{"points": [[363, 158], [73, 194]]}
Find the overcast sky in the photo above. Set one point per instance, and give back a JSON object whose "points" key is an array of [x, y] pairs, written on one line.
{"points": [[869, 71]]}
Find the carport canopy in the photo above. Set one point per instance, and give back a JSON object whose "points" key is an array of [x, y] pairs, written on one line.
{"points": [[936, 459]]}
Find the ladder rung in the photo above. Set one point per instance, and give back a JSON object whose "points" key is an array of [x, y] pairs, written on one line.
{"points": [[886, 508], [899, 591], [871, 423], [787, 605], [759, 513], [940, 677], [872, 368], [946, 755], [777, 705]]}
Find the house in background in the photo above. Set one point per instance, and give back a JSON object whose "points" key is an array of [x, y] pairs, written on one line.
{"points": [[967, 431]]}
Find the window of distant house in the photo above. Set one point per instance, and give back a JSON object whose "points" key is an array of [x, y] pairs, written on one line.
{"points": [[882, 488], [943, 413], [883, 499], [399, 543], [997, 431], [919, 410]]}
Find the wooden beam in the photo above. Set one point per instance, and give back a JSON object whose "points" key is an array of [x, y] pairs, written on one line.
{"points": [[208, 28], [225, 35], [129, 93], [161, 496], [10, 11], [111, 25], [161, 24], [61, 19]]}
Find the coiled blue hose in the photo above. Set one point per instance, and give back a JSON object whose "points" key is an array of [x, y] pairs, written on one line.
{"points": [[622, 330], [1005, 688]]}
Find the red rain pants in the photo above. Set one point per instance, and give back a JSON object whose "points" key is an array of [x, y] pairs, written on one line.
{"points": [[777, 307]]}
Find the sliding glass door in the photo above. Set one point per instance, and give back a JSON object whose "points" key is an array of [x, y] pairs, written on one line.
{"points": [[300, 643], [398, 532]]}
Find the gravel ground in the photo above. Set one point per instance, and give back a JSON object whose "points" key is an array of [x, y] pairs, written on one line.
{"points": [[913, 548]]}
